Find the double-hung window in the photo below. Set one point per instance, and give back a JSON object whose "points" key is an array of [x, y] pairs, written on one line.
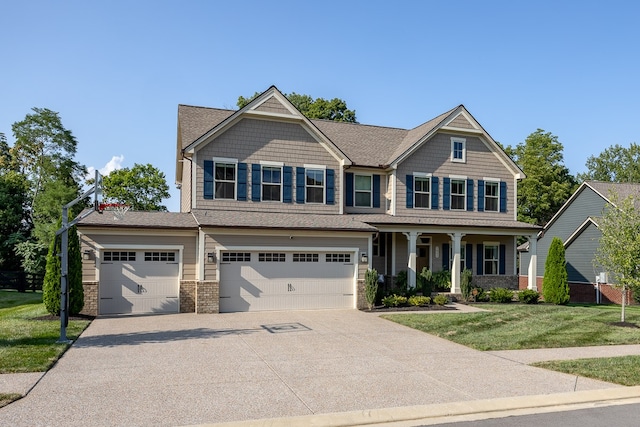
{"points": [[314, 185], [491, 196], [363, 189], [458, 150], [225, 173], [422, 191], [458, 194], [491, 258], [271, 183]]}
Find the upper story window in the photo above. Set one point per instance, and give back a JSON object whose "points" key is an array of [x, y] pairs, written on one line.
{"points": [[225, 179], [458, 194], [271, 183], [491, 196], [363, 189], [422, 191], [458, 150], [314, 185]]}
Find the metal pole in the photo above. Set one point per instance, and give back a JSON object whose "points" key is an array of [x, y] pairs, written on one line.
{"points": [[64, 276]]}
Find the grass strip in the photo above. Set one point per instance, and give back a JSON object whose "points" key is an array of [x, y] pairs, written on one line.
{"points": [[619, 370]]}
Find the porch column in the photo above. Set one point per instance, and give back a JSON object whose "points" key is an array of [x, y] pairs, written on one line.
{"points": [[412, 237], [455, 268], [533, 263]]}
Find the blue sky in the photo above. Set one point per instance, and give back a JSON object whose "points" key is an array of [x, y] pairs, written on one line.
{"points": [[116, 71]]}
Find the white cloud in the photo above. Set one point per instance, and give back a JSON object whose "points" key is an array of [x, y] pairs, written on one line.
{"points": [[113, 164]]}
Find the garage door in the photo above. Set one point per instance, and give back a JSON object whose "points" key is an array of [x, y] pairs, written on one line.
{"points": [[273, 280], [139, 282]]}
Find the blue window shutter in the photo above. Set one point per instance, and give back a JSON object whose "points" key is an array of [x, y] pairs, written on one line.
{"points": [[446, 193], [503, 196], [376, 191], [255, 182], [300, 181], [409, 186], [502, 259], [480, 263], [469, 254], [480, 195], [445, 256], [287, 184], [434, 192], [349, 189], [470, 195], [208, 179], [242, 182], [331, 185]]}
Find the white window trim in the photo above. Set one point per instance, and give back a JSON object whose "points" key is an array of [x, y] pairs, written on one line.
{"points": [[464, 150], [464, 195], [324, 183], [463, 261], [226, 160], [262, 183], [493, 181], [484, 259], [421, 175], [362, 191]]}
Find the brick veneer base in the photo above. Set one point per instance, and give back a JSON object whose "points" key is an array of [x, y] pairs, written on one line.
{"points": [[586, 292], [488, 282], [207, 297], [187, 296], [361, 302], [90, 290]]}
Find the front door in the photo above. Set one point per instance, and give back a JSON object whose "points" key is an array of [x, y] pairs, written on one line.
{"points": [[423, 257]]}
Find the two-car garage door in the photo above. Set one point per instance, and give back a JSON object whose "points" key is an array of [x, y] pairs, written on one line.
{"points": [[285, 280]]}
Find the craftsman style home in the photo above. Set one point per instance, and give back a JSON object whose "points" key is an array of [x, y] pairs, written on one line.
{"points": [[280, 212]]}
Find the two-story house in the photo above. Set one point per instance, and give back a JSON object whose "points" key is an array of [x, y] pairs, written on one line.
{"points": [[281, 212]]}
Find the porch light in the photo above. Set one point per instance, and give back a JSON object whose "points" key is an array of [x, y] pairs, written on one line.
{"points": [[364, 258], [86, 255], [211, 257]]}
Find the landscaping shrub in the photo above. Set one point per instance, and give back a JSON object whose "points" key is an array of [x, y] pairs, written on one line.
{"points": [[400, 281], [425, 281], [555, 283], [500, 295], [528, 296], [479, 295], [419, 301], [394, 300], [465, 284], [441, 299], [371, 287], [442, 280]]}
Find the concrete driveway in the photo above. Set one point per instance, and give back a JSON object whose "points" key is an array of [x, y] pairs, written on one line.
{"points": [[192, 369]]}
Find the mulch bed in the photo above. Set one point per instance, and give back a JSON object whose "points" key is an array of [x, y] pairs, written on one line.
{"points": [[72, 317], [625, 325]]}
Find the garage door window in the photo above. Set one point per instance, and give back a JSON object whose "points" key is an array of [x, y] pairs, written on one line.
{"points": [[305, 257], [160, 256], [119, 256], [236, 257], [343, 258], [271, 257]]}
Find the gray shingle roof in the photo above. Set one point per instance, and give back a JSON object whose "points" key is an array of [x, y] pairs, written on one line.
{"points": [[196, 121], [382, 219], [621, 189], [141, 219], [235, 219]]}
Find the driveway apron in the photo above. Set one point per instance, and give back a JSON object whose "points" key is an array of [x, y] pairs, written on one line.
{"points": [[191, 369]]}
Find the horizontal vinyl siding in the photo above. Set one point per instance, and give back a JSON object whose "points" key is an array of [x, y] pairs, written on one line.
{"points": [[435, 157], [251, 141], [185, 189], [580, 254]]}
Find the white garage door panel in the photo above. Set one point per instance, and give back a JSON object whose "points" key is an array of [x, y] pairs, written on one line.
{"points": [[139, 287], [262, 286]]}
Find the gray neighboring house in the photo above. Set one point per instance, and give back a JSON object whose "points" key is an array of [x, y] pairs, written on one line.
{"points": [[576, 224], [280, 212]]}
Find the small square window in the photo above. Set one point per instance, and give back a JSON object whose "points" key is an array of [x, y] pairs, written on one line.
{"points": [[458, 150]]}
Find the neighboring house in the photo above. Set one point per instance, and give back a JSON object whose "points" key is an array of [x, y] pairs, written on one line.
{"points": [[282, 212], [576, 224]]}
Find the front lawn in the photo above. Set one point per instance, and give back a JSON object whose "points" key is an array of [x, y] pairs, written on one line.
{"points": [[620, 370], [519, 326], [28, 344]]}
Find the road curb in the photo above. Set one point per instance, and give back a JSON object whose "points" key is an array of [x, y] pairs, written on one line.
{"points": [[441, 410]]}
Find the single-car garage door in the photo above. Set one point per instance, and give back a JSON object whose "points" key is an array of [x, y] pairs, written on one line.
{"points": [[139, 282], [274, 280]]}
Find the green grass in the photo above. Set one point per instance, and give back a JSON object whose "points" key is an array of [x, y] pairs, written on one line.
{"points": [[27, 344], [519, 326], [6, 398], [620, 370]]}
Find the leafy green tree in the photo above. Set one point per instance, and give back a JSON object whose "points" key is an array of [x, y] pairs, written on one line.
{"points": [[614, 164], [51, 291], [319, 108], [13, 226], [142, 187], [555, 283], [548, 184], [619, 247]]}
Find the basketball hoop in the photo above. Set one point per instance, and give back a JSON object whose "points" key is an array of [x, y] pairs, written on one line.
{"points": [[118, 209]]}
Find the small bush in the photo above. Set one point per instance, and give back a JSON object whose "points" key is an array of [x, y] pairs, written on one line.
{"points": [[441, 299], [479, 295], [401, 280], [419, 301], [500, 295], [394, 300], [442, 280], [425, 281], [528, 296], [371, 287], [465, 284]]}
